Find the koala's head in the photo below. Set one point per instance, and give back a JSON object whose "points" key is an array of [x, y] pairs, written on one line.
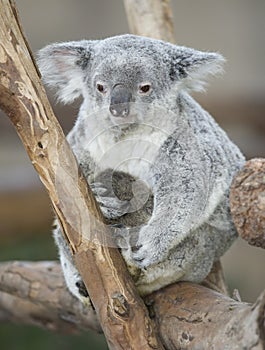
{"points": [[125, 70]]}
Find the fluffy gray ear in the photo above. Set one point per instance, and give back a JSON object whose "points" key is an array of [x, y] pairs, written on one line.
{"points": [[191, 68], [62, 67]]}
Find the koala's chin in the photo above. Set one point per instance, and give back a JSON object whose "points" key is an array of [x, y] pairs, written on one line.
{"points": [[124, 122]]}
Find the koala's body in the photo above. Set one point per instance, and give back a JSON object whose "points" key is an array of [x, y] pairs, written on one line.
{"points": [[158, 164]]}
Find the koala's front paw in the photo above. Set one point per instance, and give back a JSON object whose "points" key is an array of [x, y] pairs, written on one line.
{"points": [[111, 206], [121, 236], [144, 256], [147, 252]]}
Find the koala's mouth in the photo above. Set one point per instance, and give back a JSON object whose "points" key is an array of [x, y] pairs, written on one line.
{"points": [[120, 110], [123, 121]]}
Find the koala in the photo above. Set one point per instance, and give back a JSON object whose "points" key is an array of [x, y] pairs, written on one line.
{"points": [[158, 164]]}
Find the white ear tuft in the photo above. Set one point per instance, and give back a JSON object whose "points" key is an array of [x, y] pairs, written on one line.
{"points": [[62, 67], [197, 78], [191, 68]]}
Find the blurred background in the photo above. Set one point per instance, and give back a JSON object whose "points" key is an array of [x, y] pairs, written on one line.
{"points": [[236, 100]]}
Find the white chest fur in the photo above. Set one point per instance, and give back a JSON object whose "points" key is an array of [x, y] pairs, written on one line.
{"points": [[132, 151]]}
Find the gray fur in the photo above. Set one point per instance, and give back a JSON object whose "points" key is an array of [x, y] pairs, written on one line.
{"points": [[158, 164]]}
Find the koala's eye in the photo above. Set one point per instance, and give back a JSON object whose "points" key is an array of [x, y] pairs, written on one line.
{"points": [[101, 88], [145, 88]]}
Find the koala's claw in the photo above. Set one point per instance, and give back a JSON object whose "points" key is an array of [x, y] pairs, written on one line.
{"points": [[118, 226], [136, 248], [121, 236], [82, 289], [111, 206], [98, 188], [139, 260], [143, 257]]}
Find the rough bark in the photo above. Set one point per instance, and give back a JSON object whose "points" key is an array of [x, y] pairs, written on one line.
{"points": [[188, 316], [247, 200], [22, 97], [35, 293]]}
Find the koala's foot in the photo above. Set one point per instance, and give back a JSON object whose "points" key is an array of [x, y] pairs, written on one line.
{"points": [[83, 294], [78, 289], [73, 280], [82, 288]]}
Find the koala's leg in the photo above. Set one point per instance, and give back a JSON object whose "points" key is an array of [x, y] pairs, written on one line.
{"points": [[72, 277]]}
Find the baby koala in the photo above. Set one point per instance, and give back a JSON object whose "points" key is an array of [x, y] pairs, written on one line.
{"points": [[159, 165]]}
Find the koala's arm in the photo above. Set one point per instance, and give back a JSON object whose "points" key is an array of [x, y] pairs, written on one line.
{"points": [[186, 192], [195, 166]]}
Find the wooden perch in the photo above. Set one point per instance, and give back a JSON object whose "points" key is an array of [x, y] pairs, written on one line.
{"points": [[188, 316], [22, 97]]}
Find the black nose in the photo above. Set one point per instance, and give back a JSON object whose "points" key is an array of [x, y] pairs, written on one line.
{"points": [[120, 110], [120, 99]]}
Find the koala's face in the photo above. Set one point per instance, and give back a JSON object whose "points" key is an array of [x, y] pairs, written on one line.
{"points": [[127, 88], [124, 75]]}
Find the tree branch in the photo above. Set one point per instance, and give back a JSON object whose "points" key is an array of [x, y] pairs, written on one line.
{"points": [[188, 316], [35, 293], [151, 18], [22, 97], [247, 201]]}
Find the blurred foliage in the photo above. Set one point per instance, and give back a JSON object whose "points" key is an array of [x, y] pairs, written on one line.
{"points": [[17, 337], [33, 247]]}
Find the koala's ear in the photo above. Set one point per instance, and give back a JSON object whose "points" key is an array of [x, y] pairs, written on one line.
{"points": [[62, 67], [191, 68]]}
